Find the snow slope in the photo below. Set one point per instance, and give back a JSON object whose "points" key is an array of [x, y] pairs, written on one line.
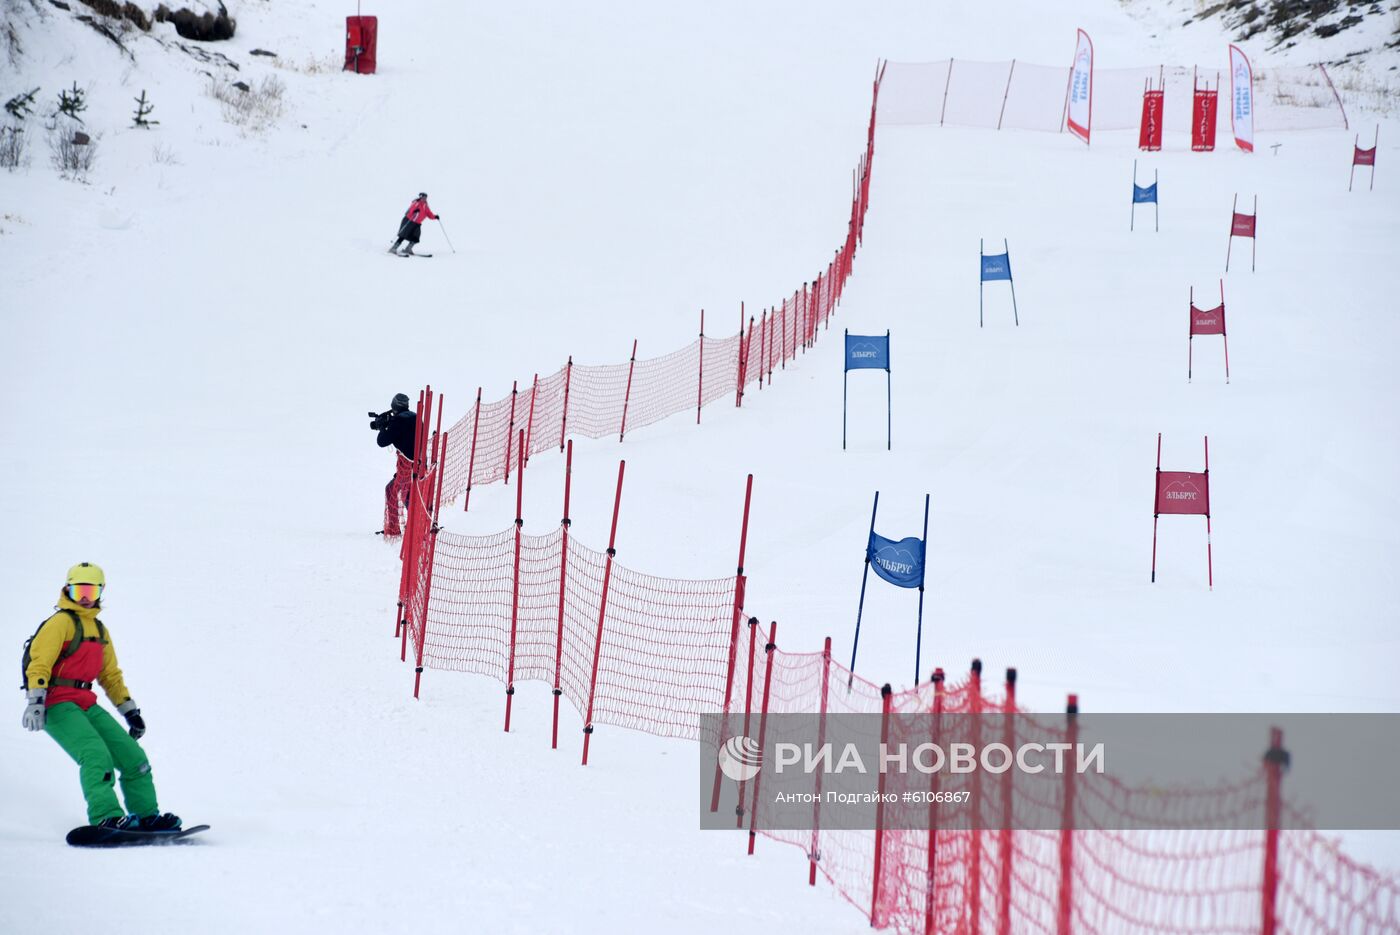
{"points": [[190, 346]]}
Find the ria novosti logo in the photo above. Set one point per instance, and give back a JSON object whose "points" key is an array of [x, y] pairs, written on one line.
{"points": [[740, 758]]}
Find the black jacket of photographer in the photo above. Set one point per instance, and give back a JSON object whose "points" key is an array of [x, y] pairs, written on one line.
{"points": [[400, 431]]}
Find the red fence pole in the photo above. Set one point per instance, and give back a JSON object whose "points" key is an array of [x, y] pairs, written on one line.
{"points": [[739, 585], [563, 572], [768, 648], [564, 420], [742, 359], [806, 313], [428, 579], [885, 695], [700, 386], [782, 325], [627, 396], [814, 853], [471, 459], [931, 873], [602, 614], [510, 429], [406, 547], [530, 420], [1006, 844], [1064, 918], [974, 874], [1275, 762], [762, 346], [515, 585], [748, 711]]}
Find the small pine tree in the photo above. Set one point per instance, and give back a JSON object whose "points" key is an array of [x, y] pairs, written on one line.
{"points": [[144, 109], [21, 105], [72, 103]]}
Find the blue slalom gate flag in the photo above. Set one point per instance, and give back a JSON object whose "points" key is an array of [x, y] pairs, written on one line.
{"points": [[996, 267], [1144, 195], [900, 563], [868, 351]]}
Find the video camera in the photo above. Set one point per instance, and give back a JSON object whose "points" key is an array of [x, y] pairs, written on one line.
{"points": [[379, 421]]}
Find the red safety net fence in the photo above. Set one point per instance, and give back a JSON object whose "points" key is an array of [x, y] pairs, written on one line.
{"points": [[627, 649], [595, 401]]}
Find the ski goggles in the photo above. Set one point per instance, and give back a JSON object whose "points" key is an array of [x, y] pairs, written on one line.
{"points": [[85, 592]]}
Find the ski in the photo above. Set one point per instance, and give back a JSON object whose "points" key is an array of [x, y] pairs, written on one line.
{"points": [[93, 836]]}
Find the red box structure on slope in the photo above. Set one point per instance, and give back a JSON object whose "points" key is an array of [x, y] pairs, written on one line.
{"points": [[361, 42]]}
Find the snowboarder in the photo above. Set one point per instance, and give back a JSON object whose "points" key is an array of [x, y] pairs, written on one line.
{"points": [[71, 650], [412, 225], [397, 427]]}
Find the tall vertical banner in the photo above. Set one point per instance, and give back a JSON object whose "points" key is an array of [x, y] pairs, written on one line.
{"points": [[901, 563], [1242, 99], [1081, 88], [868, 352], [1204, 109], [1150, 130]]}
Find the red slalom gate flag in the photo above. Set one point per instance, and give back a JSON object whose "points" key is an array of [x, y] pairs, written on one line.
{"points": [[1150, 132], [1182, 493], [1207, 321], [1364, 157], [1242, 225]]}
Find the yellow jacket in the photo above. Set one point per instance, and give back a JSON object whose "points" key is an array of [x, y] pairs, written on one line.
{"points": [[55, 633]]}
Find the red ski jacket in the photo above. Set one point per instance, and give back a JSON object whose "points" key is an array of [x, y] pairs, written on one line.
{"points": [[419, 211]]}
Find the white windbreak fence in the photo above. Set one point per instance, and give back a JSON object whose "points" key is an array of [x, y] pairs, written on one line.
{"points": [[1022, 96]]}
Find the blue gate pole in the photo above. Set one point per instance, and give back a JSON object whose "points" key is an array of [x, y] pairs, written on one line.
{"points": [[865, 575], [845, 374], [923, 573], [1133, 217], [1005, 246], [889, 396]]}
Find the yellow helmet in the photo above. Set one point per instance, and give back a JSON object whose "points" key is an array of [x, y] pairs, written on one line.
{"points": [[86, 573]]}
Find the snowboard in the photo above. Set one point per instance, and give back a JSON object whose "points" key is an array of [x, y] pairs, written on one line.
{"points": [[93, 836]]}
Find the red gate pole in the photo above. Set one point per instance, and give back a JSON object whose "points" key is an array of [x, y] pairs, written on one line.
{"points": [[510, 428], [1156, 486], [1223, 336], [602, 614], [974, 878], [1006, 844], [814, 853], [748, 711], [1210, 571], [1254, 240], [1064, 923], [1190, 326], [530, 420], [564, 420], [471, 459], [1275, 762], [1231, 243], [515, 584], [931, 873], [700, 385], [428, 580], [740, 583], [885, 696], [768, 648], [627, 396], [563, 570], [762, 346]]}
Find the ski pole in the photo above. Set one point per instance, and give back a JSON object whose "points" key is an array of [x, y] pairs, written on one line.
{"points": [[444, 234]]}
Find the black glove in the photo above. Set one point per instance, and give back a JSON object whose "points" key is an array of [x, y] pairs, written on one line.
{"points": [[136, 727], [439, 217]]}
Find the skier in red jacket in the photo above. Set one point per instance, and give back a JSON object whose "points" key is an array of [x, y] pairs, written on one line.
{"points": [[412, 225]]}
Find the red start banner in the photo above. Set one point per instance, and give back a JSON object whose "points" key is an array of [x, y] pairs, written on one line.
{"points": [[1183, 492], [1150, 133], [1204, 107]]}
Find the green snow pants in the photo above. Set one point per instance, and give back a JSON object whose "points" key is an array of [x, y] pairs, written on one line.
{"points": [[97, 743]]}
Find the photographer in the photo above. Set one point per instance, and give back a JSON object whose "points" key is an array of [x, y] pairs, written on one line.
{"points": [[397, 427]]}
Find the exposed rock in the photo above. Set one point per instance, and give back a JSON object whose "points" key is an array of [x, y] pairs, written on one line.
{"points": [[202, 27]]}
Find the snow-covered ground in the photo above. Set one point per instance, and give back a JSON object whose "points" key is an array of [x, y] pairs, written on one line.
{"points": [[193, 336]]}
